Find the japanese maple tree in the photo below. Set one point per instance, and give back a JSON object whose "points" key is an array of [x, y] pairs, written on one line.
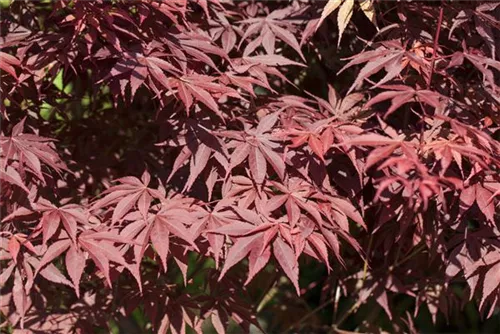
{"points": [[277, 166]]}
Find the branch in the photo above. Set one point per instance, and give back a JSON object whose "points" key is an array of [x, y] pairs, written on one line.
{"points": [[436, 39]]}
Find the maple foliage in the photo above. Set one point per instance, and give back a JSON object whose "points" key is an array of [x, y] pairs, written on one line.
{"points": [[180, 159]]}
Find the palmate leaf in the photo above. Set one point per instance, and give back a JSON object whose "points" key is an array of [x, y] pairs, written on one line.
{"points": [[200, 88], [256, 243], [201, 149], [30, 151], [130, 192], [258, 145], [172, 219], [391, 56], [400, 95], [273, 26], [100, 248]]}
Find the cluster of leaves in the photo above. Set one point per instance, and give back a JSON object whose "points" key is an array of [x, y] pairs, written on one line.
{"points": [[149, 148]]}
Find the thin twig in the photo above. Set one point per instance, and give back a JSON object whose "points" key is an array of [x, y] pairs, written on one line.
{"points": [[436, 39], [365, 266], [308, 315], [433, 61], [268, 296], [409, 256], [347, 314]]}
